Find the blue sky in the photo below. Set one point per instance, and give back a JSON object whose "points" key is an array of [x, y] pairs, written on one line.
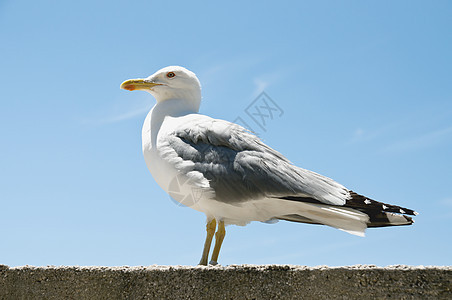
{"points": [[365, 88]]}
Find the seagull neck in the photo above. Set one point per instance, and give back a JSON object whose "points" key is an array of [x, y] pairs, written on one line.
{"points": [[163, 109], [176, 107]]}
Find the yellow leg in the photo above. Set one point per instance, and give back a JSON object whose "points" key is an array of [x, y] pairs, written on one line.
{"points": [[210, 228], [219, 237]]}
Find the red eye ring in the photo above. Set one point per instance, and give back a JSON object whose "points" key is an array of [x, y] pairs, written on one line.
{"points": [[170, 75]]}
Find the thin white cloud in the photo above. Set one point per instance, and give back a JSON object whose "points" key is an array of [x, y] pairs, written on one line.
{"points": [[126, 115], [445, 212], [447, 202], [121, 112], [358, 134], [263, 81], [407, 128], [261, 85], [227, 68], [426, 140], [362, 134]]}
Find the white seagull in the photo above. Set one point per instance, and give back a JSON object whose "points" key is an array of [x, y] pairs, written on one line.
{"points": [[223, 170]]}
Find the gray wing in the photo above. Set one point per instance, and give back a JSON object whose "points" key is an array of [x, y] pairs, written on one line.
{"points": [[240, 167]]}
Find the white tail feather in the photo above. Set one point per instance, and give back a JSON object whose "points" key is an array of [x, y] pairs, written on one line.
{"points": [[343, 218]]}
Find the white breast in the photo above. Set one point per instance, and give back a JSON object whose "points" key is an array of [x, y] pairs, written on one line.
{"points": [[171, 173]]}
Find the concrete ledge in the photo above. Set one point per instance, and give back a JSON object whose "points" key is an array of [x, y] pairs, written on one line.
{"points": [[232, 282]]}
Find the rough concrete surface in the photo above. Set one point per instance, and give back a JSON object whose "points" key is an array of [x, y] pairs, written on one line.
{"points": [[231, 282]]}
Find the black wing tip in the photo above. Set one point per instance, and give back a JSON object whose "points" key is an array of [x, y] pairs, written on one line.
{"points": [[409, 220], [358, 201]]}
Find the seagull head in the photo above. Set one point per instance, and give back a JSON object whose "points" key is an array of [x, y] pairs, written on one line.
{"points": [[169, 83]]}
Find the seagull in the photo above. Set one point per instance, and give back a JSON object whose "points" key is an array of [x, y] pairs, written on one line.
{"points": [[226, 172]]}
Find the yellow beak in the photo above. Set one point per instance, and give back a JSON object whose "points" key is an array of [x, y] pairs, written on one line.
{"points": [[138, 84]]}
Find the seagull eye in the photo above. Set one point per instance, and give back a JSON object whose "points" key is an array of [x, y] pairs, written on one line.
{"points": [[170, 74]]}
